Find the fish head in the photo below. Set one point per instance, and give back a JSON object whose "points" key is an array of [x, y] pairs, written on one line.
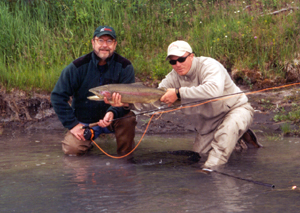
{"points": [[101, 92]]}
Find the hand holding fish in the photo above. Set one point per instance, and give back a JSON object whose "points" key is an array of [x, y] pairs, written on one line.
{"points": [[115, 100], [77, 131], [106, 121], [169, 97]]}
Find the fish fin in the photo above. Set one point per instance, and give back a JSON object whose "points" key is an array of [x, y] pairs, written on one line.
{"points": [[138, 106], [94, 98], [157, 104]]}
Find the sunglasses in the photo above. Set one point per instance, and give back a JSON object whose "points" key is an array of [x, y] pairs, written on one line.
{"points": [[180, 60]]}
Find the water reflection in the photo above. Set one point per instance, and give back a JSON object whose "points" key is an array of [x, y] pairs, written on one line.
{"points": [[97, 182], [37, 177]]}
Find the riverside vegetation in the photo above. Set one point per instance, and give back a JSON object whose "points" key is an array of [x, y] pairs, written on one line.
{"points": [[256, 40]]}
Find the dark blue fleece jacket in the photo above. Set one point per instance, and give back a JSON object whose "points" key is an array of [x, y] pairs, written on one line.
{"points": [[75, 81]]}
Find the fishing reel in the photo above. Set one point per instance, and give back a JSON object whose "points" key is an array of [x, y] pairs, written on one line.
{"points": [[88, 133]]}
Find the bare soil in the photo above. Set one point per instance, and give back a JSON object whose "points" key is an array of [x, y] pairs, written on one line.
{"points": [[34, 111]]}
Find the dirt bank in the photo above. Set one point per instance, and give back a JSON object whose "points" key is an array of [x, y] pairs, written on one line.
{"points": [[34, 111]]}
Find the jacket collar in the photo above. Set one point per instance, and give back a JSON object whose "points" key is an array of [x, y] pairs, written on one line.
{"points": [[96, 59]]}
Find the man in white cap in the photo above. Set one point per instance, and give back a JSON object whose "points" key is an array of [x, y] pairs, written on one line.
{"points": [[219, 124]]}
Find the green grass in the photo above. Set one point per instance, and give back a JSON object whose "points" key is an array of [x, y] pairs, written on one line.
{"points": [[273, 137], [292, 114], [39, 38], [290, 119], [286, 128]]}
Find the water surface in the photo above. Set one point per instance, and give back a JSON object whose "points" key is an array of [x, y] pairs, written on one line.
{"points": [[37, 177]]}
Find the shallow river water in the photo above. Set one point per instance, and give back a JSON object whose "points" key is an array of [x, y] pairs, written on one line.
{"points": [[37, 177]]}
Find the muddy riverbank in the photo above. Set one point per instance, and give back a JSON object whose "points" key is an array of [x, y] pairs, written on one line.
{"points": [[34, 111]]}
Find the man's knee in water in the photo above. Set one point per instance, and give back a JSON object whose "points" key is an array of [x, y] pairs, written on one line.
{"points": [[72, 146]]}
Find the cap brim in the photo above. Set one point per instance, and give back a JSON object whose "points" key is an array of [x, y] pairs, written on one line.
{"points": [[105, 33], [178, 53]]}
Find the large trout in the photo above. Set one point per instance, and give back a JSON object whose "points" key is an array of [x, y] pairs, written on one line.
{"points": [[135, 93]]}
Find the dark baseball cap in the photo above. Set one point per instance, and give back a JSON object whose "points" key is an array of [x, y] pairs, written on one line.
{"points": [[105, 30]]}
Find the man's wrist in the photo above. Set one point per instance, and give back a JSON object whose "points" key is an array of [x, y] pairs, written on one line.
{"points": [[177, 93]]}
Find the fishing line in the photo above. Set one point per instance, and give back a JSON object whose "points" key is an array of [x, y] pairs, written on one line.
{"points": [[189, 106], [248, 180]]}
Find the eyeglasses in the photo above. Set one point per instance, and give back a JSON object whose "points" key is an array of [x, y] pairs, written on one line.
{"points": [[109, 42], [180, 60]]}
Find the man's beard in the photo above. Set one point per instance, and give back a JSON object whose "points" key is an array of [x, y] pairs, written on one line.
{"points": [[102, 55]]}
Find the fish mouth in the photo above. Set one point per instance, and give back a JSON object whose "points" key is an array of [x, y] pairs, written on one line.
{"points": [[96, 94], [95, 98], [95, 91]]}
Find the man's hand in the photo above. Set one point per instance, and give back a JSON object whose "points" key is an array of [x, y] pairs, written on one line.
{"points": [[77, 131], [106, 120], [116, 101], [169, 97]]}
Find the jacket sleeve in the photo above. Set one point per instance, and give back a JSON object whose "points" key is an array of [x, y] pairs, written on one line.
{"points": [[126, 77], [65, 87], [168, 81]]}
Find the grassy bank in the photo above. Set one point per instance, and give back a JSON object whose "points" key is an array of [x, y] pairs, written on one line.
{"points": [[39, 38]]}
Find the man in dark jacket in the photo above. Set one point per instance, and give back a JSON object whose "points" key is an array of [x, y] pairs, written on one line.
{"points": [[99, 67]]}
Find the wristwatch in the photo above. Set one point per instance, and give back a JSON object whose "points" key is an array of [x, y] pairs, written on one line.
{"points": [[177, 93]]}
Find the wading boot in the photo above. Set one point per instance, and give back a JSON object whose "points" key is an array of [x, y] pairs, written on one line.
{"points": [[125, 131], [247, 141]]}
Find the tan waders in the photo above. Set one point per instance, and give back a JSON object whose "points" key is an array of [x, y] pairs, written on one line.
{"points": [[220, 143], [124, 130]]}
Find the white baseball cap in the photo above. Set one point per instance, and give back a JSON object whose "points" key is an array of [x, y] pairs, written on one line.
{"points": [[179, 48]]}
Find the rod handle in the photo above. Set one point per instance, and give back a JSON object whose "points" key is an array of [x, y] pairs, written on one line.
{"points": [[93, 124]]}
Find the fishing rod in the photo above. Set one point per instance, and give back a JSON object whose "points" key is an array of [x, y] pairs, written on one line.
{"points": [[207, 171], [202, 101]]}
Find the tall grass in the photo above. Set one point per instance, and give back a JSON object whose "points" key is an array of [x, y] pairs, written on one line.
{"points": [[39, 38]]}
